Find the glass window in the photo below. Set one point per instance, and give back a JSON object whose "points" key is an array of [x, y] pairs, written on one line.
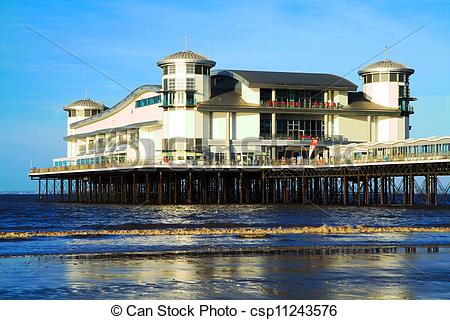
{"points": [[205, 70], [198, 145], [369, 78], [87, 113], [165, 87], [148, 101], [376, 77], [393, 77], [190, 84], [265, 125], [401, 91], [190, 68], [384, 77], [198, 70], [171, 84], [190, 100], [265, 94], [171, 69], [164, 70]]}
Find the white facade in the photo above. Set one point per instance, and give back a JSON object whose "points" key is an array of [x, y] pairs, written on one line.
{"points": [[240, 116]]}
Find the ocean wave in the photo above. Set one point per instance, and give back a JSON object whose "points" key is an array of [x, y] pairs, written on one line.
{"points": [[237, 231]]}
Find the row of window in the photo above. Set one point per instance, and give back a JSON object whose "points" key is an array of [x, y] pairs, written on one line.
{"points": [[306, 96], [189, 144], [190, 69], [188, 84], [148, 101], [294, 129], [83, 113], [181, 98], [386, 77], [411, 150]]}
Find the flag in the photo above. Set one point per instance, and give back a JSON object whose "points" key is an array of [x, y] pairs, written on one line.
{"points": [[312, 146]]}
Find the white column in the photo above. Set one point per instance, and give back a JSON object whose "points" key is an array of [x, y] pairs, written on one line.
{"points": [[374, 129], [325, 125], [273, 94], [274, 135], [228, 136], [331, 125], [369, 128]]}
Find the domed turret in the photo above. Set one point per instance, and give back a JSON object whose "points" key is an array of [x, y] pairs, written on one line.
{"points": [[186, 56], [386, 83], [82, 109], [185, 78]]}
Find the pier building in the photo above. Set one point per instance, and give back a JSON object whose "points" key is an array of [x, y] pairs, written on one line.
{"points": [[200, 115], [225, 135]]}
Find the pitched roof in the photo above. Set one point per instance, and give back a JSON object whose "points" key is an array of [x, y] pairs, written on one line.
{"points": [[260, 79], [227, 99]]}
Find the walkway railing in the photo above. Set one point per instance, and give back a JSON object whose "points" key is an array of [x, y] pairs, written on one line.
{"points": [[300, 104], [250, 162]]}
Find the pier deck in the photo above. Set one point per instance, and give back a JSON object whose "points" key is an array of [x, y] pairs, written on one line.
{"points": [[406, 183]]}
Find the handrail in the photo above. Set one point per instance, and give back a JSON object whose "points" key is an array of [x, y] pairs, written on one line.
{"points": [[253, 162]]}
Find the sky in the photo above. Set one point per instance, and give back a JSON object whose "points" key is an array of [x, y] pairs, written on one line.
{"points": [[124, 39]]}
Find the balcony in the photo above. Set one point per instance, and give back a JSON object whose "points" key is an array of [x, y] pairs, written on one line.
{"points": [[298, 104], [406, 110]]}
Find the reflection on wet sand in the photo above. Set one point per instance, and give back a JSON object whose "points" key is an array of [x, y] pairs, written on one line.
{"points": [[398, 275]]}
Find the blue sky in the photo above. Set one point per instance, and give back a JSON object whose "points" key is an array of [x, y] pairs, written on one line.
{"points": [[125, 39]]}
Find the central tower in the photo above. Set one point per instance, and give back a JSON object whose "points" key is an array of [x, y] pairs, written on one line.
{"points": [[185, 82]]}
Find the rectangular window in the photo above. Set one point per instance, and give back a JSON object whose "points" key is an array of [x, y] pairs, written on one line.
{"points": [[401, 91], [190, 84], [189, 68], [265, 95], [165, 87], [198, 145], [198, 70], [265, 125], [148, 101], [164, 70], [190, 144], [190, 100], [87, 113], [369, 78], [376, 77], [384, 77], [393, 77], [171, 84], [205, 70], [171, 69]]}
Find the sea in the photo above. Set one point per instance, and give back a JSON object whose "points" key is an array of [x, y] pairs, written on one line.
{"points": [[390, 265]]}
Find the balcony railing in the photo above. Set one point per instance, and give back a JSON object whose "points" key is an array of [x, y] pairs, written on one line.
{"points": [[262, 161], [406, 109], [300, 104]]}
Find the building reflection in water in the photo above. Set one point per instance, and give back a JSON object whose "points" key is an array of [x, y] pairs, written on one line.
{"points": [[367, 276]]}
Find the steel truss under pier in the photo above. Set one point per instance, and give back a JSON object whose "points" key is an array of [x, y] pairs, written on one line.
{"points": [[406, 184]]}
